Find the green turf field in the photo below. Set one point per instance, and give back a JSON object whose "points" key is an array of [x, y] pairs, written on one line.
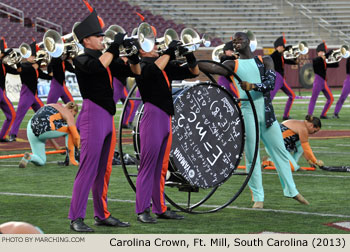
{"points": [[41, 195]]}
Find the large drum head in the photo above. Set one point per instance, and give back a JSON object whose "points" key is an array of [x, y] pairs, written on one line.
{"points": [[208, 135]]}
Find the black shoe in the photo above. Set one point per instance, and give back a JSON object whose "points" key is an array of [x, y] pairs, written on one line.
{"points": [[65, 162], [169, 214], [323, 117], [78, 225], [286, 117], [4, 140], [145, 217], [336, 116], [111, 221], [12, 138]]}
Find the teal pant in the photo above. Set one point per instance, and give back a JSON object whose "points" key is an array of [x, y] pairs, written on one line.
{"points": [[37, 144], [293, 156], [273, 141]]}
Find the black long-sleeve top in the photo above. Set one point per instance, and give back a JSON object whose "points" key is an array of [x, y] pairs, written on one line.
{"points": [[279, 62], [94, 80], [3, 71], [58, 67], [30, 75], [348, 66], [153, 85], [320, 66]]}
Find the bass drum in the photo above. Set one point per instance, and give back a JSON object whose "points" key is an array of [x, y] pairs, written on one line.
{"points": [[208, 142]]}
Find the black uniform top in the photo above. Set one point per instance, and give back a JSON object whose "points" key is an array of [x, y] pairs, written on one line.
{"points": [[94, 80], [153, 85], [279, 62], [320, 66], [29, 76], [5, 69], [56, 66], [348, 66]]}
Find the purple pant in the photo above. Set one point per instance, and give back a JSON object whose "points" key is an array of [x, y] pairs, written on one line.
{"points": [[280, 83], [97, 135], [120, 92], [9, 111], [58, 91], [320, 85], [344, 94], [222, 81], [155, 139], [26, 100]]}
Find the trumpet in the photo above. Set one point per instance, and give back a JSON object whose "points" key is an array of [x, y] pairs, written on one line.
{"points": [[294, 52], [57, 45], [13, 58], [337, 55], [145, 37]]}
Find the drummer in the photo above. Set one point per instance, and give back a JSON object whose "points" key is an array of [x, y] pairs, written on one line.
{"points": [[154, 85]]}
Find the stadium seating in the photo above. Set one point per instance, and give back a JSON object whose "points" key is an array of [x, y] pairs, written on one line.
{"points": [[66, 12], [308, 20], [266, 18]]}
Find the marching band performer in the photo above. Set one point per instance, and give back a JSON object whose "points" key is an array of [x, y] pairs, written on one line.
{"points": [[28, 97], [258, 77], [58, 88], [320, 66], [95, 71], [5, 104], [154, 85], [345, 91], [280, 83], [51, 121], [296, 140]]}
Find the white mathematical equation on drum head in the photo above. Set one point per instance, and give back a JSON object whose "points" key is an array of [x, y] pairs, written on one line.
{"points": [[208, 135]]}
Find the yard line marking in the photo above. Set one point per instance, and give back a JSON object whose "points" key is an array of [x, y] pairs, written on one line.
{"points": [[310, 175], [184, 204]]}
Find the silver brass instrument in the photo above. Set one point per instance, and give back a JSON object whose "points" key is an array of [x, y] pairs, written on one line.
{"points": [[253, 42], [13, 58], [57, 45], [144, 36], [295, 51], [337, 55], [169, 35], [191, 40], [25, 50], [217, 53], [43, 55]]}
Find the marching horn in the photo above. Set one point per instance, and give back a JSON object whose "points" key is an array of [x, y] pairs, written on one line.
{"points": [[145, 37], [57, 45], [294, 52], [337, 55], [217, 53], [13, 57], [25, 50], [169, 35], [190, 39]]}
